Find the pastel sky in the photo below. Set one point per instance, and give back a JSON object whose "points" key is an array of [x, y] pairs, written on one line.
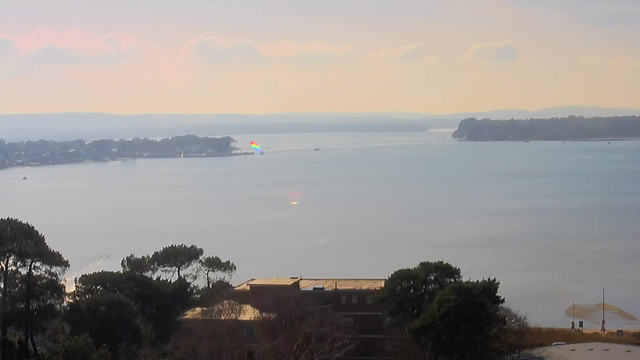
{"points": [[264, 56]]}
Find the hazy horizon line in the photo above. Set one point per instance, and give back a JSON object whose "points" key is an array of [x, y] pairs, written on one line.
{"points": [[326, 112]]}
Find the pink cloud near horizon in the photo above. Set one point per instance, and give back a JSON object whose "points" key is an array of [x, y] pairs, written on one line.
{"points": [[72, 70], [52, 46], [218, 48]]}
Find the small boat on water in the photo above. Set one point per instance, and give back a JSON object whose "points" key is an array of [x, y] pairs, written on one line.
{"points": [[525, 141], [316, 149], [24, 178]]}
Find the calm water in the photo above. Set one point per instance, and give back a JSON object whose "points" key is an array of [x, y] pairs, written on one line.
{"points": [[554, 222]]}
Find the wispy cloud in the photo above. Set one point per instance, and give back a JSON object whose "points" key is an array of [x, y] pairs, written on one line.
{"points": [[217, 48], [312, 49], [499, 51], [590, 60], [625, 62], [46, 46], [6, 45], [406, 52]]}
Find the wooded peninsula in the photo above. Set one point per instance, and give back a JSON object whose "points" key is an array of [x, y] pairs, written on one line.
{"points": [[47, 152], [554, 129]]}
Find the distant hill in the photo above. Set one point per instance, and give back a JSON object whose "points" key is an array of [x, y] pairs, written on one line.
{"points": [[70, 126], [567, 128], [506, 114]]}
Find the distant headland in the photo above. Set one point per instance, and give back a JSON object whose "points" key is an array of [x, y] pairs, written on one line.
{"points": [[553, 129], [47, 152], [70, 126]]}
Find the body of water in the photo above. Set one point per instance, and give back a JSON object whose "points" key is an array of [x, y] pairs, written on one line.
{"points": [[554, 222]]}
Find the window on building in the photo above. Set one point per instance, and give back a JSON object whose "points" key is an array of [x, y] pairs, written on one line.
{"points": [[347, 322], [251, 354], [343, 299], [354, 299], [250, 330], [369, 299]]}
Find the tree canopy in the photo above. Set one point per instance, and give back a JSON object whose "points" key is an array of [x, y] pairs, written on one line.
{"points": [[31, 281], [140, 265], [119, 315], [215, 269], [59, 152], [568, 128], [433, 312], [111, 320], [461, 322], [174, 259], [408, 292]]}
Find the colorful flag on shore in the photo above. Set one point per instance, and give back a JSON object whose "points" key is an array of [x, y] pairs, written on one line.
{"points": [[256, 147]]}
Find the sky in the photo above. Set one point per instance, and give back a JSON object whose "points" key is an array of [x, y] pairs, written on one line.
{"points": [[267, 56]]}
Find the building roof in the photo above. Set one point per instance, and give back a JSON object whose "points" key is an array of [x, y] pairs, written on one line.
{"points": [[329, 284], [267, 281], [226, 310], [343, 284]]}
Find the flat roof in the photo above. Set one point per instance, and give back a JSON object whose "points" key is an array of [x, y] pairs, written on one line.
{"points": [[226, 310], [328, 283], [343, 284], [582, 352], [266, 281]]}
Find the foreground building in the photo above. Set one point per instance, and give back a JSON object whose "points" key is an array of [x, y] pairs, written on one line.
{"points": [[351, 299]]}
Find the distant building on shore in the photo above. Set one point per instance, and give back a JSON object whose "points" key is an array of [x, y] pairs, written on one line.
{"points": [[352, 299]]}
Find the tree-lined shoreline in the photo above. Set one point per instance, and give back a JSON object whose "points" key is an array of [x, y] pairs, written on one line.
{"points": [[571, 128], [48, 152]]}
